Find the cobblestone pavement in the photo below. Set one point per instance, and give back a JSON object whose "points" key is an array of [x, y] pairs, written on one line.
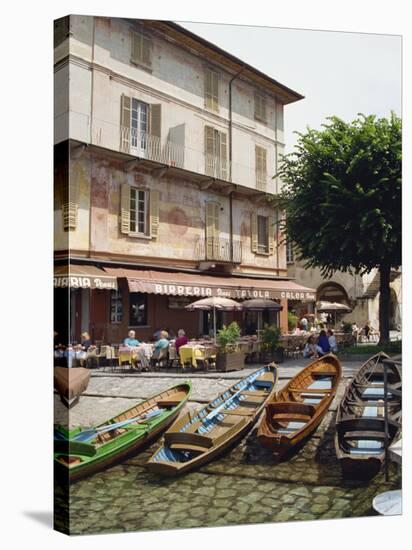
{"points": [[244, 486]]}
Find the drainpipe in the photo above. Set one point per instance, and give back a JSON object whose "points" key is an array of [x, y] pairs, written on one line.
{"points": [[230, 162]]}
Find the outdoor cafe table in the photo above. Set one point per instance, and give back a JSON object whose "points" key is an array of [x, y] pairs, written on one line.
{"points": [[197, 350]]}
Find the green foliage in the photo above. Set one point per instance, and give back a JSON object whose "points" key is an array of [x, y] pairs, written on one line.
{"points": [[342, 195], [347, 327], [393, 348], [228, 337], [292, 320], [270, 337]]}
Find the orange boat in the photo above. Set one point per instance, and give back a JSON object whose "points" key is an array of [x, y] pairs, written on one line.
{"points": [[295, 412]]}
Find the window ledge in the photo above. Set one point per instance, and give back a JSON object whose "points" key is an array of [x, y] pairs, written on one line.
{"points": [[146, 68], [262, 120], [140, 236], [262, 253]]}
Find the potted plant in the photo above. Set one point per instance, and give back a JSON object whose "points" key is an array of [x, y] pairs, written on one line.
{"points": [[292, 321], [272, 349], [229, 356]]}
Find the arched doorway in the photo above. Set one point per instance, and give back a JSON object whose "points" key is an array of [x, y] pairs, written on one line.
{"points": [[332, 292]]}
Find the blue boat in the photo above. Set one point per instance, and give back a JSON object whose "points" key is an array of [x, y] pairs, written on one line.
{"points": [[199, 437]]}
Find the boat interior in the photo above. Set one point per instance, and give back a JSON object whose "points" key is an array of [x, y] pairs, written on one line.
{"points": [[360, 425], [298, 402], [218, 421]]}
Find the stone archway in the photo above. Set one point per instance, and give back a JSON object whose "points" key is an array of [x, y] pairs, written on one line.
{"points": [[332, 292]]}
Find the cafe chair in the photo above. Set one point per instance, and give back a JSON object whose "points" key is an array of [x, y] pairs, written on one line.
{"points": [[160, 358], [173, 357], [125, 358]]}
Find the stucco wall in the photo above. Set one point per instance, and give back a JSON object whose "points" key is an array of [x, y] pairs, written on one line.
{"points": [[176, 81]]}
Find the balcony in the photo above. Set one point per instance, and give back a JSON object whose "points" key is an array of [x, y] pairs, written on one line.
{"points": [[179, 155], [218, 249]]}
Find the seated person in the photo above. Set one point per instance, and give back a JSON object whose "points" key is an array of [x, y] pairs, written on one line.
{"points": [[332, 341], [131, 340], [311, 349], [162, 342], [323, 342], [86, 341], [181, 339]]}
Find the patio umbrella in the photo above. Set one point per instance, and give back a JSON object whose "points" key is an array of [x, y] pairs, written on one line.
{"points": [[259, 305], [214, 303], [333, 307]]}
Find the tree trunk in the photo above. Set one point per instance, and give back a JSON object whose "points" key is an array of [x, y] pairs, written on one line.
{"points": [[384, 303]]}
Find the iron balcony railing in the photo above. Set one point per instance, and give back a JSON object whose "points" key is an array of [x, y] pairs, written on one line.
{"points": [[146, 145], [218, 249]]}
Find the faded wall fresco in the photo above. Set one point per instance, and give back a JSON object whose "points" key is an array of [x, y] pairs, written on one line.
{"points": [[96, 182]]}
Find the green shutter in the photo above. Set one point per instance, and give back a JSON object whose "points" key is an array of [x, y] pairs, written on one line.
{"points": [[272, 233], [125, 106], [209, 151], [154, 214], [223, 156], [253, 232], [125, 209], [146, 51]]}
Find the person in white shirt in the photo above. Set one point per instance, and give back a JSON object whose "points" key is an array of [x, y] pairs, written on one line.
{"points": [[332, 341]]}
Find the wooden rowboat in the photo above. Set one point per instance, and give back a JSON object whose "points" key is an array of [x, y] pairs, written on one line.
{"points": [[79, 453], [360, 423], [294, 413], [199, 437], [70, 383]]}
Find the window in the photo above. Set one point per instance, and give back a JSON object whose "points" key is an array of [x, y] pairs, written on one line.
{"points": [[138, 211], [213, 251], [211, 90], [116, 306], [141, 49], [215, 153], [137, 120], [263, 234], [260, 168], [260, 107], [137, 309], [290, 253], [139, 125]]}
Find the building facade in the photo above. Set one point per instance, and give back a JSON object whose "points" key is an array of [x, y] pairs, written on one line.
{"points": [[165, 151]]}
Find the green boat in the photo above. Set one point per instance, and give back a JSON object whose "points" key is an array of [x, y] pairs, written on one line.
{"points": [[79, 453]]}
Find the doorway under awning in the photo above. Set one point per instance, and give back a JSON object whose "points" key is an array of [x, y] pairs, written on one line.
{"points": [[83, 276], [198, 285]]}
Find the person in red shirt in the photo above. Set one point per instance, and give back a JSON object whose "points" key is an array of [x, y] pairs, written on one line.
{"points": [[181, 339]]}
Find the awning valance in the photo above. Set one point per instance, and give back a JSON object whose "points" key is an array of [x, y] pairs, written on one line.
{"points": [[199, 285], [83, 276]]}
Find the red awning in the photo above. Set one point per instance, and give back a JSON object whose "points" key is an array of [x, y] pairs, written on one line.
{"points": [[199, 285], [83, 276]]}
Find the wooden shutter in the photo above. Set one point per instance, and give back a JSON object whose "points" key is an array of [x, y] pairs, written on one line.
{"points": [[154, 214], [69, 213], [125, 209], [155, 129], [260, 167], [209, 151], [212, 230], [156, 120], [125, 106], [211, 90], [253, 232], [215, 91], [137, 47], [141, 49], [260, 107], [223, 156], [272, 232], [146, 51], [208, 89]]}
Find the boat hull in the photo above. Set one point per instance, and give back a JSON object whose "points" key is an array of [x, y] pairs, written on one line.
{"points": [[121, 447], [287, 405], [198, 455], [355, 427]]}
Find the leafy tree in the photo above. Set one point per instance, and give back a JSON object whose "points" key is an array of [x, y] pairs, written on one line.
{"points": [[342, 199]]}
